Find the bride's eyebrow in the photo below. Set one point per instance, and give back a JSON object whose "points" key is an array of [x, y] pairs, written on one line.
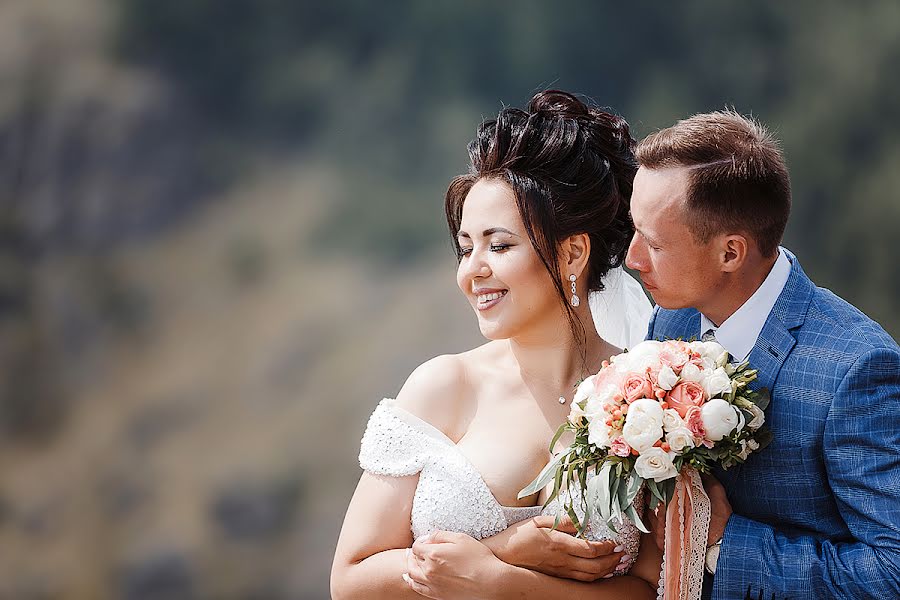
{"points": [[488, 232]]}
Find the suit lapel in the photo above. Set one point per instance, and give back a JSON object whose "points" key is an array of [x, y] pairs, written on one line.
{"points": [[775, 341]]}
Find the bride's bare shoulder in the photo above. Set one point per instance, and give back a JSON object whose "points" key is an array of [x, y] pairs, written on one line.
{"points": [[440, 390]]}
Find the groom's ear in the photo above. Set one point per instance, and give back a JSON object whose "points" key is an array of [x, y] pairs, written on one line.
{"points": [[574, 253], [733, 253]]}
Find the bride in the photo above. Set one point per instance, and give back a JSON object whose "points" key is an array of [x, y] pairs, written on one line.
{"points": [[540, 223]]}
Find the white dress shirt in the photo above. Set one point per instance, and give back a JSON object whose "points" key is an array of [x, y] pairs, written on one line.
{"points": [[739, 332]]}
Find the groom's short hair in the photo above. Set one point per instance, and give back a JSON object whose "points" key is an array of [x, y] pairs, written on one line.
{"points": [[738, 178]]}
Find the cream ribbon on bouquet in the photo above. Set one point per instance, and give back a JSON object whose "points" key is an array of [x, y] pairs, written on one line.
{"points": [[687, 529]]}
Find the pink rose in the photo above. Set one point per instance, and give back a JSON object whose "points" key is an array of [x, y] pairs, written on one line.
{"points": [[636, 386], [608, 375], [674, 356], [686, 395], [695, 423], [620, 447]]}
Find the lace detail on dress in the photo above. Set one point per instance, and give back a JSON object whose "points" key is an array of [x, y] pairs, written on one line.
{"points": [[390, 446], [451, 495]]}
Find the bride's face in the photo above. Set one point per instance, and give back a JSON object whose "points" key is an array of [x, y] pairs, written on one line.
{"points": [[500, 272]]}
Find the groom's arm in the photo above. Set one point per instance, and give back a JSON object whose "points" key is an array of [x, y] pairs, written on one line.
{"points": [[862, 458]]}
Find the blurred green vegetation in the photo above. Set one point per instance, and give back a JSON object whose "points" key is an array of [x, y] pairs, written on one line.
{"points": [[390, 93], [222, 240]]}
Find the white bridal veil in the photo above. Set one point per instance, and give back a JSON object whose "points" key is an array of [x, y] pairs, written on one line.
{"points": [[621, 311]]}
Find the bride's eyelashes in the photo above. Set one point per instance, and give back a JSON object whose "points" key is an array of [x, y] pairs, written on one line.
{"points": [[465, 251]]}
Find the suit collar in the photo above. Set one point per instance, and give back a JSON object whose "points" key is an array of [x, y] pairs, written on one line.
{"points": [[775, 340]]}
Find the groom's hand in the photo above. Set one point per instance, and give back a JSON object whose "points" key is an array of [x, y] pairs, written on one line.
{"points": [[721, 509], [534, 544]]}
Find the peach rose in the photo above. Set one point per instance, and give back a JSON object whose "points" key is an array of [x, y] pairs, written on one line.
{"points": [[686, 395], [674, 356], [635, 387], [698, 430]]}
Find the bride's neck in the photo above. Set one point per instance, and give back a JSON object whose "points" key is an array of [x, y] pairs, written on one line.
{"points": [[559, 362]]}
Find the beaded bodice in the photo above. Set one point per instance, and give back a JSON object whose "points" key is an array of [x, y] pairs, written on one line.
{"points": [[451, 495]]}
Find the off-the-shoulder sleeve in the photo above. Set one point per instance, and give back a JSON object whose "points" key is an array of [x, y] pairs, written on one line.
{"points": [[391, 445]]}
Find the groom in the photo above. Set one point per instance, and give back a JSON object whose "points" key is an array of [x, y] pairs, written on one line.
{"points": [[816, 514]]}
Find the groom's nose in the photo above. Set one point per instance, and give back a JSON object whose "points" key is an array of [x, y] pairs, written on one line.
{"points": [[636, 259]]}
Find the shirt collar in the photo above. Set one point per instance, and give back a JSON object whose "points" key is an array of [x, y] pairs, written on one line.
{"points": [[739, 332]]}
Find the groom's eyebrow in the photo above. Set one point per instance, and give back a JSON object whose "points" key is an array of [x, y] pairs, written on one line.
{"points": [[650, 238]]}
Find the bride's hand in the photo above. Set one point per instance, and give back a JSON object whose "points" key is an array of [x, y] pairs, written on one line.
{"points": [[534, 544], [449, 565]]}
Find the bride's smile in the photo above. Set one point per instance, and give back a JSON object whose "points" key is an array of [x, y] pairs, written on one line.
{"points": [[500, 273], [488, 299]]}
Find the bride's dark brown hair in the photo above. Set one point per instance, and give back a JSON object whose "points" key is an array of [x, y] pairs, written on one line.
{"points": [[571, 168]]}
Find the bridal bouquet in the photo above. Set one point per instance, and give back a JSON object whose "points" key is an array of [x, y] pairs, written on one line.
{"points": [[647, 415]]}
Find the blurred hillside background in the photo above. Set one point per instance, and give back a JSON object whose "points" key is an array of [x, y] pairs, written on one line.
{"points": [[222, 242]]}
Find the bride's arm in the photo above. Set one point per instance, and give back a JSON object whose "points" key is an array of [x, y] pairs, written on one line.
{"points": [[371, 551], [452, 565], [370, 558]]}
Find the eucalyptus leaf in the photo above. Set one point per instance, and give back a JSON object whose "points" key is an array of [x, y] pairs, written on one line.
{"points": [[557, 435], [632, 514], [603, 499], [546, 476]]}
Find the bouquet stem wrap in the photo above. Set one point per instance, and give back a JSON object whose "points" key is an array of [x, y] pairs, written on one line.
{"points": [[687, 528]]}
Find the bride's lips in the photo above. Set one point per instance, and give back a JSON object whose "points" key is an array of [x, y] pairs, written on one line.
{"points": [[486, 298]]}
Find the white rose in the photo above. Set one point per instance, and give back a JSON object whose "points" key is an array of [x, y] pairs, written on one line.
{"points": [[720, 419], [691, 372], [759, 417], [716, 382], [576, 413], [640, 357], [672, 420], [643, 424], [593, 408], [667, 378], [710, 352], [598, 433], [656, 464], [680, 440], [585, 389]]}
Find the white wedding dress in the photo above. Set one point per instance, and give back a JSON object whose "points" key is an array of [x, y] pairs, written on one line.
{"points": [[451, 495]]}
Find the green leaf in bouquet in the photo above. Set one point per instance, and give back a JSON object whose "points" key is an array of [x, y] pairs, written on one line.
{"points": [[544, 477], [575, 520], [621, 499], [762, 398], [634, 486], [668, 490], [632, 514], [614, 483], [656, 495], [763, 437], [599, 488], [557, 435], [743, 403]]}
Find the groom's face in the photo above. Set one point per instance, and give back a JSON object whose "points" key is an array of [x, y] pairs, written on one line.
{"points": [[678, 271]]}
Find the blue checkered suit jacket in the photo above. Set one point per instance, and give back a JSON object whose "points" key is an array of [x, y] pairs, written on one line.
{"points": [[817, 512]]}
